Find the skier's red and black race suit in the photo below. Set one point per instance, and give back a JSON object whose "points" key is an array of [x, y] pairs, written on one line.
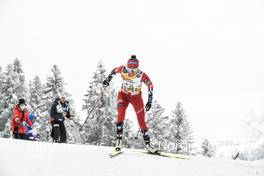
{"points": [[131, 93]]}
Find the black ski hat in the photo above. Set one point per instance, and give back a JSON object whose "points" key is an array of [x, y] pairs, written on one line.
{"points": [[21, 101], [133, 62], [133, 57]]}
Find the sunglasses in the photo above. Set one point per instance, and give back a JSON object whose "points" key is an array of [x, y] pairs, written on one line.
{"points": [[130, 70]]}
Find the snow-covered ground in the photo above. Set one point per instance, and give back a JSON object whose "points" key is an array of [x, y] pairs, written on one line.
{"points": [[25, 158]]}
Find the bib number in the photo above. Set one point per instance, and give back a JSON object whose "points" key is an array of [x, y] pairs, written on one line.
{"points": [[131, 88]]}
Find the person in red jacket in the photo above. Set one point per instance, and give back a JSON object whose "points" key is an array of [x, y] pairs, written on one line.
{"points": [[130, 92], [20, 120]]}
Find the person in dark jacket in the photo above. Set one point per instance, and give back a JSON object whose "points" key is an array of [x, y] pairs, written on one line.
{"points": [[59, 111]]}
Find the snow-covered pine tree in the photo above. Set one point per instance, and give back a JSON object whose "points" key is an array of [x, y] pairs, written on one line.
{"points": [[55, 84], [207, 149], [35, 96], [128, 137], [1, 104], [21, 87], [254, 125], [1, 78], [72, 126], [1, 86], [180, 130], [157, 124], [99, 128], [13, 87], [255, 138], [37, 107]]}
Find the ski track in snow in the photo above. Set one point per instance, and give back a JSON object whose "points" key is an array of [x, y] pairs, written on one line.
{"points": [[25, 158]]}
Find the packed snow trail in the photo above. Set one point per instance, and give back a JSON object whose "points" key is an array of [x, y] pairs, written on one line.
{"points": [[26, 158]]}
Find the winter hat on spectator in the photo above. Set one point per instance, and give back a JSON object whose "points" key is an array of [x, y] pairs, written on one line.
{"points": [[21, 101]]}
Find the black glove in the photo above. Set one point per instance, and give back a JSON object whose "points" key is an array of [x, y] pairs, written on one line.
{"points": [[106, 83], [148, 106]]}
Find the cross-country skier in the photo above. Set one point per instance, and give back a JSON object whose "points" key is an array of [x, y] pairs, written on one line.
{"points": [[131, 93], [20, 121]]}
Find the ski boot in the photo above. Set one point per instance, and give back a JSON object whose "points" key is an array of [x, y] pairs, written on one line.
{"points": [[119, 133], [148, 145]]}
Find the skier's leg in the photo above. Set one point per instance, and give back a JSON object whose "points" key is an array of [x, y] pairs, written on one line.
{"points": [[148, 145], [122, 104], [63, 137], [119, 133], [138, 106]]}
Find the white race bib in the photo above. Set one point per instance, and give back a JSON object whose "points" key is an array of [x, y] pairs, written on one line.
{"points": [[133, 84]]}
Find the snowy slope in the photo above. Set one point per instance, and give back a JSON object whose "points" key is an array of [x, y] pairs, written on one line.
{"points": [[25, 158]]}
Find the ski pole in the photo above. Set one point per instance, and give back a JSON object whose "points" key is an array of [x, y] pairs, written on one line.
{"points": [[136, 137], [90, 113], [93, 108], [75, 122]]}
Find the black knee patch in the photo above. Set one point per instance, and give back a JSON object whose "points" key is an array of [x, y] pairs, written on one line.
{"points": [[119, 128]]}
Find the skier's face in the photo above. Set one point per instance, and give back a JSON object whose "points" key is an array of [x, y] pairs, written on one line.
{"points": [[132, 71]]}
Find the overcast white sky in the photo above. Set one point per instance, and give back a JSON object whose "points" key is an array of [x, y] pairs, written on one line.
{"points": [[207, 54]]}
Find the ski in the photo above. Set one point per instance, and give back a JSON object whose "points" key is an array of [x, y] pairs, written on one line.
{"points": [[168, 155], [157, 153], [115, 153]]}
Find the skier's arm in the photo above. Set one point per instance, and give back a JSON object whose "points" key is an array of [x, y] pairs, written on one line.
{"points": [[112, 74], [149, 84]]}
